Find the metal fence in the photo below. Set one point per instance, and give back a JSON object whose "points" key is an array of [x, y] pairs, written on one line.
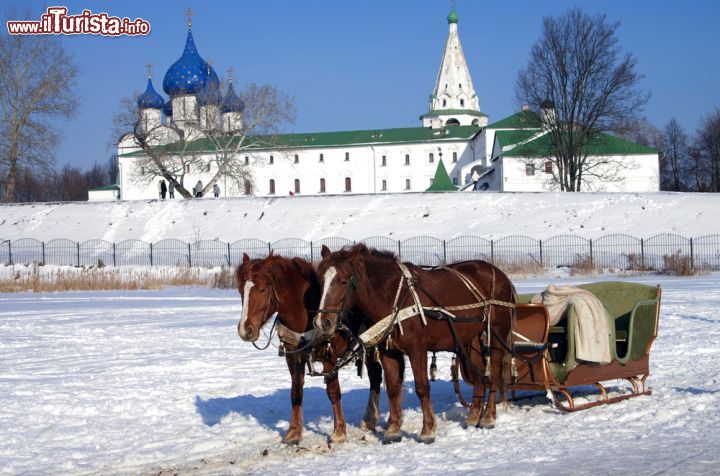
{"points": [[611, 251]]}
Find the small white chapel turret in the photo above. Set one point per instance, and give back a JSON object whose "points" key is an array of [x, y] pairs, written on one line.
{"points": [[453, 101]]}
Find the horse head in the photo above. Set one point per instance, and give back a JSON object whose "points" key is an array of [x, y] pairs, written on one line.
{"points": [[343, 282], [259, 298]]}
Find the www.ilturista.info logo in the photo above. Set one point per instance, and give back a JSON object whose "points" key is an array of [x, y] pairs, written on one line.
{"points": [[56, 21]]}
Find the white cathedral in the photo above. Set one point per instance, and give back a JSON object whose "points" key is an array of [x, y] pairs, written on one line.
{"points": [[455, 148]]}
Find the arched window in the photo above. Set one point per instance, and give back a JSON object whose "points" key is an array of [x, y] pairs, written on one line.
{"points": [[348, 184], [444, 102], [407, 159], [383, 187], [322, 185], [272, 160], [548, 167], [248, 187], [452, 122], [272, 187], [407, 184], [384, 161], [247, 160], [297, 159], [322, 158], [431, 157], [347, 156], [462, 103], [297, 185], [454, 156]]}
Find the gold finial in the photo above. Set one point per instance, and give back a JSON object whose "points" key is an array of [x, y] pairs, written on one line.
{"points": [[189, 14], [209, 64], [230, 72], [149, 70]]}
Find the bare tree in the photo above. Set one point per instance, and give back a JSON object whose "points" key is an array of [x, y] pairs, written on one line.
{"points": [[576, 71], [707, 152], [37, 85], [674, 158], [173, 151]]}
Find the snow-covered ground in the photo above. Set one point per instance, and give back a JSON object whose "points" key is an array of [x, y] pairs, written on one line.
{"points": [[158, 381], [400, 216]]}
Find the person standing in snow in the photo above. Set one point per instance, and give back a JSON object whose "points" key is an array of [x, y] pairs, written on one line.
{"points": [[198, 189], [163, 189], [216, 190], [172, 189]]}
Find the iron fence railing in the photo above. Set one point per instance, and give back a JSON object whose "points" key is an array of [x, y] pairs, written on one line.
{"points": [[617, 251]]}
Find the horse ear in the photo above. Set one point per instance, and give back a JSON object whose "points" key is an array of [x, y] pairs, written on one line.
{"points": [[324, 251], [246, 258], [271, 253]]}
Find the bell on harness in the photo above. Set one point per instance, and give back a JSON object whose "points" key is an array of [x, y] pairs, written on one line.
{"points": [[433, 368], [281, 350]]}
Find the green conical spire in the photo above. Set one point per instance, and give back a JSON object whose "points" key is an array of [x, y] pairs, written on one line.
{"points": [[441, 182]]}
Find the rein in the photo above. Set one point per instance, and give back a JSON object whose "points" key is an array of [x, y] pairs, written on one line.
{"points": [[277, 317], [340, 313]]}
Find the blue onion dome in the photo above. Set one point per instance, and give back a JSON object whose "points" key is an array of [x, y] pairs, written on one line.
{"points": [[189, 74], [231, 102], [167, 108], [150, 99]]}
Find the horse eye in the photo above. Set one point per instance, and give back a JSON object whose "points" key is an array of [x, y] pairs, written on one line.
{"points": [[262, 290]]}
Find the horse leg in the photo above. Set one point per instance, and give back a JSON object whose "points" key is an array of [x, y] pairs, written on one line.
{"points": [[418, 361], [374, 370], [296, 365], [488, 419], [332, 386], [475, 371], [393, 365]]}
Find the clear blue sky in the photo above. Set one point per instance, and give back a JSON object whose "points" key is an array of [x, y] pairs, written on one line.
{"points": [[372, 64]]}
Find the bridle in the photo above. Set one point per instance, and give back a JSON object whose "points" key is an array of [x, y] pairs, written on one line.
{"points": [[350, 287], [273, 296]]}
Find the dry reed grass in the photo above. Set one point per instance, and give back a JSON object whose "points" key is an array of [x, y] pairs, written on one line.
{"points": [[38, 279]]}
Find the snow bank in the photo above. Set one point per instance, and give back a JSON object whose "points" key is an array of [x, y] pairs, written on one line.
{"points": [[400, 216]]}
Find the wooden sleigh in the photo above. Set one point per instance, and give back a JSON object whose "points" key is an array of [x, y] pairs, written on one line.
{"points": [[545, 356]]}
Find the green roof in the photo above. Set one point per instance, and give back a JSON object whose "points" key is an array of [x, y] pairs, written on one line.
{"points": [[441, 182], [453, 112], [335, 139], [602, 145], [511, 137], [525, 119]]}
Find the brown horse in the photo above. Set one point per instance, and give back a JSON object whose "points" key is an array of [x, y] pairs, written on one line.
{"points": [[480, 296], [290, 287]]}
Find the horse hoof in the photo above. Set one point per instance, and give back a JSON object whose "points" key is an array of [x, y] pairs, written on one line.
{"points": [[471, 422], [391, 438], [338, 438], [291, 441], [486, 425], [427, 439], [367, 425]]}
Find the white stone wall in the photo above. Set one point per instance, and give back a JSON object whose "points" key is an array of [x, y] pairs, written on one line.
{"points": [[365, 168]]}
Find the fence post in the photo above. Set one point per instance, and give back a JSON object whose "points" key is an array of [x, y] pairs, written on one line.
{"points": [[151, 254], [10, 252], [492, 251], [311, 251], [399, 253], [592, 261], [269, 248], [692, 256], [43, 253], [114, 257], [541, 253], [229, 259], [189, 256], [78, 253], [444, 253], [642, 253]]}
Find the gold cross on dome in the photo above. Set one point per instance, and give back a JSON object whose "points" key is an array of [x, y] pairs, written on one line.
{"points": [[189, 14], [230, 72], [209, 64], [149, 69]]}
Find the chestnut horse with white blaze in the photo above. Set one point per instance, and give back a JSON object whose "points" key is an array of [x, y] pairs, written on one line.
{"points": [[412, 310], [290, 288]]}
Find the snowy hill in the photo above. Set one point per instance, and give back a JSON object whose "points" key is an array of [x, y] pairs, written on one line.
{"points": [[489, 215]]}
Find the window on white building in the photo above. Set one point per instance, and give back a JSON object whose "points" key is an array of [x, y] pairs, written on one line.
{"points": [[454, 157], [297, 159], [383, 186], [322, 158], [248, 187], [272, 160], [529, 169], [462, 103], [431, 158], [548, 167], [347, 156], [271, 190], [383, 162], [407, 159], [407, 184], [322, 185], [297, 185], [247, 160], [348, 184]]}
